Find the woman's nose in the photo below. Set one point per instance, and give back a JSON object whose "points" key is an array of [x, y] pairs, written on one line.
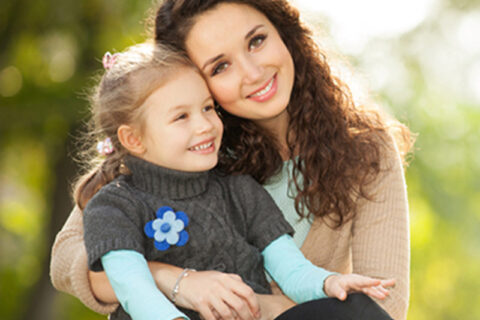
{"points": [[252, 71]]}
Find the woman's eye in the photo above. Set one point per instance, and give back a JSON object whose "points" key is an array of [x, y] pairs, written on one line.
{"points": [[256, 41], [219, 68]]}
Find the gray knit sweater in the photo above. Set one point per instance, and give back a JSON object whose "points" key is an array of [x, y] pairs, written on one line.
{"points": [[231, 220]]}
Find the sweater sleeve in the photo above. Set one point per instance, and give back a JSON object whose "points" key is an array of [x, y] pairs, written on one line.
{"points": [[68, 264], [264, 220], [380, 235], [135, 288]]}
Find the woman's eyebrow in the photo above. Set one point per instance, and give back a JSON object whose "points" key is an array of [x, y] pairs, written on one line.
{"points": [[212, 60], [251, 32], [248, 35]]}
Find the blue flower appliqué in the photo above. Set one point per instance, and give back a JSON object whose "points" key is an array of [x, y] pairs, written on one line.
{"points": [[168, 228]]}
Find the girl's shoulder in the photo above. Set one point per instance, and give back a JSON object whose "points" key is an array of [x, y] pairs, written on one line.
{"points": [[117, 190]]}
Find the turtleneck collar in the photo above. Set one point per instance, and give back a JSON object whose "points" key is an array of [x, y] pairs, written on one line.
{"points": [[164, 182]]}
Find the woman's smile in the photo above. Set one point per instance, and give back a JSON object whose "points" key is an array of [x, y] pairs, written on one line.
{"points": [[266, 92], [245, 62]]}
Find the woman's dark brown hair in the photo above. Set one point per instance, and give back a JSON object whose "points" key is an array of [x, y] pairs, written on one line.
{"points": [[338, 145]]}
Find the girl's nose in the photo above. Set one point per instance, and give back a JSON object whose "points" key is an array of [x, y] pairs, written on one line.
{"points": [[203, 124], [252, 71]]}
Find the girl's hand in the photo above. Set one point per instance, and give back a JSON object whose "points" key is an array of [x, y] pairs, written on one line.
{"points": [[217, 295], [338, 286]]}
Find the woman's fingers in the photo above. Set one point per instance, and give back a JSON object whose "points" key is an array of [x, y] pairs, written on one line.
{"points": [[223, 309], [217, 295], [248, 296], [238, 306], [206, 313]]}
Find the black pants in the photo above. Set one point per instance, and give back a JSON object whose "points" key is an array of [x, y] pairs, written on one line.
{"points": [[357, 307]]}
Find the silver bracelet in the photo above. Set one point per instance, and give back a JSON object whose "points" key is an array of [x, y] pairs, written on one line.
{"points": [[182, 275]]}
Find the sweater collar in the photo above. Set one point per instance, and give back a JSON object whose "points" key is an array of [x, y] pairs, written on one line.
{"points": [[164, 182]]}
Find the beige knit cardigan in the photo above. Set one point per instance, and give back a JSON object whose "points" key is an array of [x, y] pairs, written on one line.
{"points": [[375, 243]]}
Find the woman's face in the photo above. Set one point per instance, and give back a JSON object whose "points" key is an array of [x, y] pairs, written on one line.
{"points": [[247, 66]]}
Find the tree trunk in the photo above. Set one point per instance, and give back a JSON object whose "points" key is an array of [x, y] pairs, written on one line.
{"points": [[39, 303]]}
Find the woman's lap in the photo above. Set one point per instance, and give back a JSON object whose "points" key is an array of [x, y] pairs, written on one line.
{"points": [[357, 306]]}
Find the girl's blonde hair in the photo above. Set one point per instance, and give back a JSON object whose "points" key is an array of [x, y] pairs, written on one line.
{"points": [[129, 80]]}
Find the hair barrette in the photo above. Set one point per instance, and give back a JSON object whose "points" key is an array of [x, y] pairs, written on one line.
{"points": [[105, 147], [109, 59]]}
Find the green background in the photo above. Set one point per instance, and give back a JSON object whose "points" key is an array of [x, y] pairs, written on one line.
{"points": [[428, 77]]}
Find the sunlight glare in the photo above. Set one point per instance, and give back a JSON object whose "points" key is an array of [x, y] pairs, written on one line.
{"points": [[355, 22]]}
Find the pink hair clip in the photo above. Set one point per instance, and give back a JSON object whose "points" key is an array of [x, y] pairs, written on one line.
{"points": [[109, 59], [105, 147]]}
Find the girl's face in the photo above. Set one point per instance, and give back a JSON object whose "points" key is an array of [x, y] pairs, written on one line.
{"points": [[182, 130], [247, 66]]}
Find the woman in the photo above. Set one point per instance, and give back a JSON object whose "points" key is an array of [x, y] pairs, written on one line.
{"points": [[285, 116]]}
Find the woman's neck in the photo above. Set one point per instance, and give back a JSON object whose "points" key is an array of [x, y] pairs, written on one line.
{"points": [[278, 126]]}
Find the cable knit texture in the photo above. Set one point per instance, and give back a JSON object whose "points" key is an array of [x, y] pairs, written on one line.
{"points": [[375, 243]]}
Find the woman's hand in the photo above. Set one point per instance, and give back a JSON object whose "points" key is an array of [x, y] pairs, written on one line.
{"points": [[338, 286], [217, 295]]}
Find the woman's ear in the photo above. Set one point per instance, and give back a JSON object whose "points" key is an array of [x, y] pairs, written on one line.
{"points": [[130, 139]]}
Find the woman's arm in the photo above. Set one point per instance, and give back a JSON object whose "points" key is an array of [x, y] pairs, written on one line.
{"points": [[68, 265], [380, 235]]}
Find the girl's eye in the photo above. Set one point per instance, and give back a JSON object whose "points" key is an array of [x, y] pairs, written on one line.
{"points": [[219, 68], [256, 41], [181, 117], [208, 108]]}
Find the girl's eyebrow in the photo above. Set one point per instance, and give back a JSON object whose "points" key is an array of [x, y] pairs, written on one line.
{"points": [[216, 58], [182, 107]]}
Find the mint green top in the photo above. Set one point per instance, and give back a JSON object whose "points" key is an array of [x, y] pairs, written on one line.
{"points": [[285, 199]]}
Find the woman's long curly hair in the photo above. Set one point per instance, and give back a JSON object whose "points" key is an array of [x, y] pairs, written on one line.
{"points": [[337, 145]]}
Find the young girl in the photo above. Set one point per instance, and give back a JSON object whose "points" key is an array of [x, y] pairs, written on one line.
{"points": [[155, 197]]}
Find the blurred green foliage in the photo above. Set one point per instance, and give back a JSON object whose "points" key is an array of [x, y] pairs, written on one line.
{"points": [[428, 77]]}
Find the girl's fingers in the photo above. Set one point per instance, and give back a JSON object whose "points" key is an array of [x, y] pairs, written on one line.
{"points": [[337, 291], [387, 283], [375, 292]]}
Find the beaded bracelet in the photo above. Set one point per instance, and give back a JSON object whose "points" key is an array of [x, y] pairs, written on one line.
{"points": [[182, 275]]}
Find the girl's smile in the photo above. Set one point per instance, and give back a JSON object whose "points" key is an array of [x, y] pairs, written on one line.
{"points": [[182, 130], [204, 147]]}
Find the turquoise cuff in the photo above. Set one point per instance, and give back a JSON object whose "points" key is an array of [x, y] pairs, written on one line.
{"points": [[298, 278], [135, 288]]}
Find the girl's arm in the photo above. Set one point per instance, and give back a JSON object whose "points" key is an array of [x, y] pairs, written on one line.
{"points": [[165, 275], [135, 288], [302, 281], [69, 273], [380, 241]]}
